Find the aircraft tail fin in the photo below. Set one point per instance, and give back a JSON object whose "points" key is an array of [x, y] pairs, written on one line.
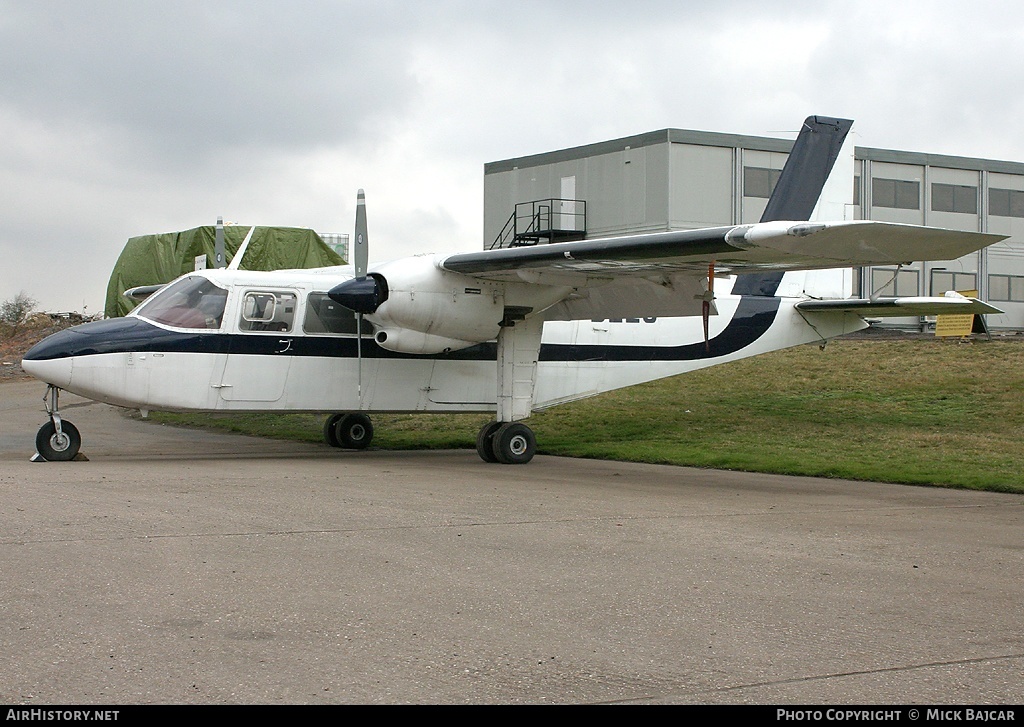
{"points": [[807, 169], [796, 193]]}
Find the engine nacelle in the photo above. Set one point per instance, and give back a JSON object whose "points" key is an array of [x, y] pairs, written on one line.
{"points": [[449, 307], [402, 340]]}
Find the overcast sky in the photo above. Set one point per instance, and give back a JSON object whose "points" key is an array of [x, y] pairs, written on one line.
{"points": [[124, 118]]}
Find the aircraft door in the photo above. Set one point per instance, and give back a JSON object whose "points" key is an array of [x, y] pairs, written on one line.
{"points": [[261, 352]]}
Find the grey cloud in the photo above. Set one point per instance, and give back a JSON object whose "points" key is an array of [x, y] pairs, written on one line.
{"points": [[194, 77]]}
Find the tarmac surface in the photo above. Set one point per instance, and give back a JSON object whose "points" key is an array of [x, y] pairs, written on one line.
{"points": [[188, 567]]}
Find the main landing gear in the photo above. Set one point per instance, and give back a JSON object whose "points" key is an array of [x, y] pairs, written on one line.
{"points": [[348, 431], [57, 440], [506, 442]]}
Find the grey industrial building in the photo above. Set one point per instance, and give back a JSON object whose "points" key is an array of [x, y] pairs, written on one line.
{"points": [[679, 179]]}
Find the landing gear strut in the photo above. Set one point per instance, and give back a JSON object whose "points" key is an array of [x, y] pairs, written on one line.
{"points": [[506, 442], [348, 431], [57, 440]]}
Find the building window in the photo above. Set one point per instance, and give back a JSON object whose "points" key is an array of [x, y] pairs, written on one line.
{"points": [[760, 181], [896, 193], [1006, 202], [888, 283], [955, 198], [943, 280], [1006, 287]]}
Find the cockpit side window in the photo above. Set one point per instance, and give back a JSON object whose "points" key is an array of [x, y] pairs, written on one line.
{"points": [[192, 302], [267, 311]]}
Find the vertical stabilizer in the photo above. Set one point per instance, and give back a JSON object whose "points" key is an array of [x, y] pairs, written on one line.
{"points": [[799, 187], [807, 169]]}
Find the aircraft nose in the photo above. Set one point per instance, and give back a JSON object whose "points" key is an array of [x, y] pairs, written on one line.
{"points": [[56, 371], [52, 359]]}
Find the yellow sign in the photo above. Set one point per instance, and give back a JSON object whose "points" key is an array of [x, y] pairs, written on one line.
{"points": [[956, 324]]}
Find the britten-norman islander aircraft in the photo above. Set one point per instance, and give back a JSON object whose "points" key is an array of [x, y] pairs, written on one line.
{"points": [[508, 331]]}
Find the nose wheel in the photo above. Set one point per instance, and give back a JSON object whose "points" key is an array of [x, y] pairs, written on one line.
{"points": [[57, 440]]}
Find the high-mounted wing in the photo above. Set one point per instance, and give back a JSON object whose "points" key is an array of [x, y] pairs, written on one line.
{"points": [[664, 273], [737, 249]]}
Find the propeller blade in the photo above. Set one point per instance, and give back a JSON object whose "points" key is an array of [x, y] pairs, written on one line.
{"points": [[360, 251], [361, 256]]}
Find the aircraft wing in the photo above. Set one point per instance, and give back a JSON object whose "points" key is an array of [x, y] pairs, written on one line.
{"points": [[734, 249], [665, 273]]}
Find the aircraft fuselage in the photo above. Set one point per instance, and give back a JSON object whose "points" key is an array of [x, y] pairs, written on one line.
{"points": [[275, 347]]}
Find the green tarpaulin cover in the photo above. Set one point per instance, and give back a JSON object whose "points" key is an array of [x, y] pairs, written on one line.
{"points": [[158, 259]]}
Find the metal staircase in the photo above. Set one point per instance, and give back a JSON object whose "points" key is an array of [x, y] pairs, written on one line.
{"points": [[544, 221]]}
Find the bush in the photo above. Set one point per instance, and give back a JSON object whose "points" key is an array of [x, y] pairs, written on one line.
{"points": [[15, 311]]}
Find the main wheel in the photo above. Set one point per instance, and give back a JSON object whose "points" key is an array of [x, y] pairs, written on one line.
{"points": [[485, 442], [330, 429], [354, 431], [514, 443], [55, 447]]}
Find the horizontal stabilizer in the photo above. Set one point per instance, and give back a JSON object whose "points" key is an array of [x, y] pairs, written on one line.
{"points": [[951, 304]]}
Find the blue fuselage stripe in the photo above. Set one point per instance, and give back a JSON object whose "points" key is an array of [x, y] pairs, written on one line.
{"points": [[753, 317]]}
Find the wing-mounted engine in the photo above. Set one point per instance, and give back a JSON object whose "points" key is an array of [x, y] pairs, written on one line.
{"points": [[416, 307]]}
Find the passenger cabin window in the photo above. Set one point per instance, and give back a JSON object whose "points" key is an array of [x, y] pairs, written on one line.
{"points": [[267, 311], [323, 315], [192, 302]]}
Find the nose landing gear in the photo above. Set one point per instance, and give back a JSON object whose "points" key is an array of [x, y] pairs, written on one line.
{"points": [[57, 440]]}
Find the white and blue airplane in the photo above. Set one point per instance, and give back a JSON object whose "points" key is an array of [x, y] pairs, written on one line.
{"points": [[508, 331]]}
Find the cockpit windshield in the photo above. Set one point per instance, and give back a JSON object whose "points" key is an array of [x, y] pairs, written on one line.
{"points": [[192, 302]]}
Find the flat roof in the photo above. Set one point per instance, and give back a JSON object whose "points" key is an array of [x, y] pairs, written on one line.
{"points": [[757, 143]]}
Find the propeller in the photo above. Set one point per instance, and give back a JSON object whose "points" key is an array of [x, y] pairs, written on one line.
{"points": [[706, 303], [365, 291]]}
